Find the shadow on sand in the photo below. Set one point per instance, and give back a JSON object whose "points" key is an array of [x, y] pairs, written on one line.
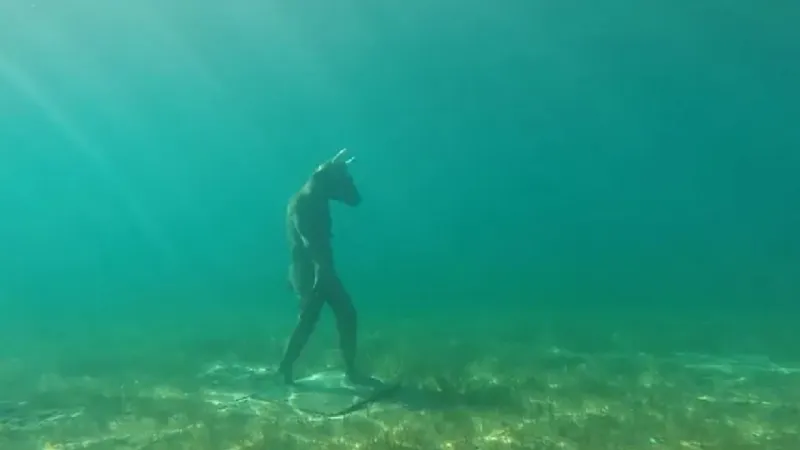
{"points": [[444, 396]]}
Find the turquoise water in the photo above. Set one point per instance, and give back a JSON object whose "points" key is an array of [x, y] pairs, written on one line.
{"points": [[609, 177]]}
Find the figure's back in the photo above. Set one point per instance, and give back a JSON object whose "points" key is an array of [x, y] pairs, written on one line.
{"points": [[293, 237]]}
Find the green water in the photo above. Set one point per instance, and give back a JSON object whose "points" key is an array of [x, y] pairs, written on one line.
{"points": [[584, 212]]}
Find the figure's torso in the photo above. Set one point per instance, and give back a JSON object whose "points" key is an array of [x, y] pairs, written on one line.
{"points": [[315, 217]]}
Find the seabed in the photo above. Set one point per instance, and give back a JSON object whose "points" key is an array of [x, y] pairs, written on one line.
{"points": [[458, 395]]}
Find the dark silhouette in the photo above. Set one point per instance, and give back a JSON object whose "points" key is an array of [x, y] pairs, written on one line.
{"points": [[312, 273]]}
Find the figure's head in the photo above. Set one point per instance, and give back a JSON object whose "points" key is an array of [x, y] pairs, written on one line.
{"points": [[333, 180]]}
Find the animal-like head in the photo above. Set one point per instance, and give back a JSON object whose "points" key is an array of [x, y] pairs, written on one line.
{"points": [[332, 179]]}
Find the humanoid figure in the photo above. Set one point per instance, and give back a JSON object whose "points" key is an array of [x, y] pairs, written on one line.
{"points": [[312, 273]]}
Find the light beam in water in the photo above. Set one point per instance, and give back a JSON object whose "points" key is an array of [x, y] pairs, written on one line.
{"points": [[24, 83]]}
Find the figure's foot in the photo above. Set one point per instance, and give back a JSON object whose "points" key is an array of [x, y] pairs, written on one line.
{"points": [[286, 374]]}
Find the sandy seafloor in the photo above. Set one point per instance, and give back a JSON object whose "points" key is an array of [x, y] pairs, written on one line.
{"points": [[466, 387]]}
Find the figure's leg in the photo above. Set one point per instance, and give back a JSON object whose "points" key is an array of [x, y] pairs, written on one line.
{"points": [[346, 324], [309, 315], [310, 308]]}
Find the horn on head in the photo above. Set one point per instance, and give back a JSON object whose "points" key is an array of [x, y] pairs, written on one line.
{"points": [[339, 156], [342, 157]]}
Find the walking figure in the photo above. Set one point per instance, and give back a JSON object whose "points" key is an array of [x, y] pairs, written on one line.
{"points": [[312, 273]]}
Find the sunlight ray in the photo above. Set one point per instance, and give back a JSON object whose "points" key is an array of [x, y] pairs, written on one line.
{"points": [[25, 84]]}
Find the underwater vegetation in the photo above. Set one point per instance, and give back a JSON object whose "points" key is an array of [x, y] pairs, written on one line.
{"points": [[484, 395]]}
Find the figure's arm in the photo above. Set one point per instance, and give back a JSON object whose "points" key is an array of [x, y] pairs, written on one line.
{"points": [[316, 240]]}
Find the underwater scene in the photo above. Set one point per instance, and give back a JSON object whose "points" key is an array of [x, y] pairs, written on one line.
{"points": [[438, 225]]}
